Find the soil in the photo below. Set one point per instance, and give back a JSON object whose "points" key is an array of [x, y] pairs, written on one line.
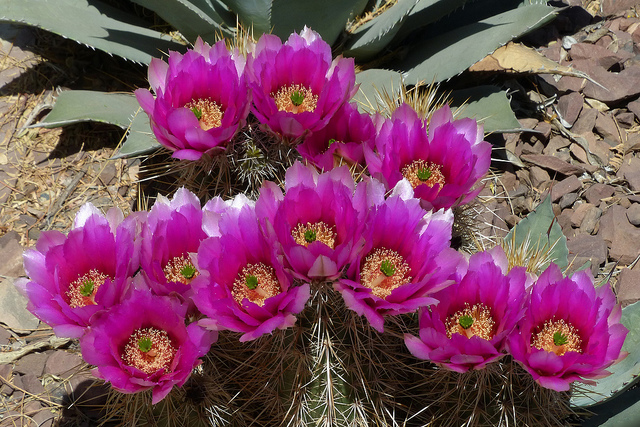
{"points": [[582, 148]]}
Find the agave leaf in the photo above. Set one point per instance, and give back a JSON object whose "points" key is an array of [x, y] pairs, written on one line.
{"points": [[543, 232], [119, 109], [372, 37], [372, 83], [327, 17], [623, 374], [489, 105], [254, 14], [621, 411], [427, 12], [451, 53], [188, 18], [91, 23]]}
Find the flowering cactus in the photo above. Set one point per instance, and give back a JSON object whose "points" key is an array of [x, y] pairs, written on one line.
{"points": [[571, 331], [297, 87], [469, 326], [76, 277], [442, 159], [190, 115], [143, 343]]}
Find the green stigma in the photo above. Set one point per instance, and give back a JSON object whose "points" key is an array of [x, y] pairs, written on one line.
{"points": [[423, 174], [145, 344], [87, 288], [387, 268], [332, 141], [188, 271], [297, 98], [559, 339], [310, 236], [197, 112], [251, 282], [465, 321]]}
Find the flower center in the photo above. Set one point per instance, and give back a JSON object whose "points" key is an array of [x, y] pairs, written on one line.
{"points": [[82, 291], [207, 111], [557, 336], [149, 349], [383, 270], [256, 282], [421, 172], [295, 99], [470, 321], [305, 234], [180, 269]]}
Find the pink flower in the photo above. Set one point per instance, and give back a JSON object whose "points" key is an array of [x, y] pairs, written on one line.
{"points": [[341, 141], [171, 237], [243, 286], [296, 86], [468, 328], [143, 343], [316, 221], [571, 330], [74, 278], [442, 167], [406, 257], [202, 99]]}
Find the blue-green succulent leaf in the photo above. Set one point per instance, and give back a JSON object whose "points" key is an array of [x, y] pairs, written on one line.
{"points": [[623, 374], [427, 12], [543, 232], [489, 105], [188, 18], [373, 36], [328, 17], [373, 82], [446, 55], [253, 14], [91, 23]]}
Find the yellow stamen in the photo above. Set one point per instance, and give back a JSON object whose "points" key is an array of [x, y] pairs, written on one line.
{"points": [[546, 337], [479, 318], [82, 291], [383, 270], [207, 111], [419, 168], [284, 101], [267, 284], [159, 355], [178, 270], [305, 234]]}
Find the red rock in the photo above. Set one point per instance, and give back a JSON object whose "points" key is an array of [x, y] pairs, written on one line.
{"points": [[599, 148], [32, 363], [32, 384], [509, 181], [579, 212], [570, 84], [601, 55], [631, 171], [625, 119], [567, 185], [11, 251], [538, 176], [544, 130], [44, 418], [613, 7], [597, 192], [564, 219], [592, 247], [606, 127], [628, 286], [553, 163], [622, 238], [589, 223], [556, 143], [634, 106], [567, 200], [617, 86], [61, 362], [586, 121], [569, 106], [633, 214]]}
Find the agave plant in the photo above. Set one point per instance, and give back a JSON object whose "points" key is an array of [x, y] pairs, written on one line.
{"points": [[393, 42]]}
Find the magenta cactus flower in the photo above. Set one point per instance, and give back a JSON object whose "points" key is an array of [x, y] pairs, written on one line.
{"points": [[316, 222], [171, 237], [202, 99], [442, 166], [243, 286], [143, 343], [571, 330], [74, 278], [468, 328], [297, 88], [341, 141], [405, 259]]}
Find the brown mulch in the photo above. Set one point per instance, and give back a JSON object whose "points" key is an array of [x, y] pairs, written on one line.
{"points": [[584, 151]]}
